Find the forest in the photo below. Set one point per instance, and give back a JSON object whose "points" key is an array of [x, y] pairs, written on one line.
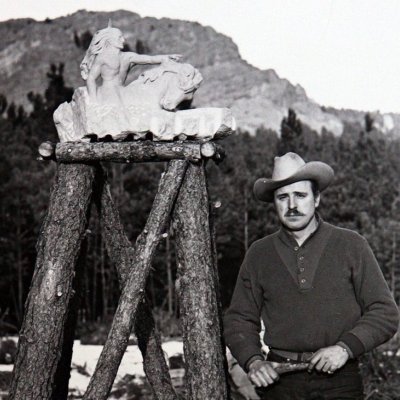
{"points": [[364, 196]]}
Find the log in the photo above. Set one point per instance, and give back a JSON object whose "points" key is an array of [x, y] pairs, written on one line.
{"points": [[133, 292], [203, 348], [119, 248], [212, 218], [47, 150], [127, 152], [154, 364], [121, 254], [63, 372], [41, 335]]}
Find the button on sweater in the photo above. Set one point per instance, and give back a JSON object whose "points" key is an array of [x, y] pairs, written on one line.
{"points": [[326, 291]]}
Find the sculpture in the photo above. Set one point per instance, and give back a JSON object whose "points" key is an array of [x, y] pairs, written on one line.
{"points": [[145, 105], [105, 58]]}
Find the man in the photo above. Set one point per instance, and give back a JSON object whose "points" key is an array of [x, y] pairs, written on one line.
{"points": [[317, 288]]}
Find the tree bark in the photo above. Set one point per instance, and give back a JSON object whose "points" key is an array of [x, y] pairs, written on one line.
{"points": [[170, 282], [41, 335], [393, 267], [197, 289], [214, 252], [19, 266], [155, 367], [63, 372], [121, 254], [125, 152], [133, 291]]}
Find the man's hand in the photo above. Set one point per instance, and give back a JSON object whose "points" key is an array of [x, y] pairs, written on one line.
{"points": [[329, 359], [262, 373]]}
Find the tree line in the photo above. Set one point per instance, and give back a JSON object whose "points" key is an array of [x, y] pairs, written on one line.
{"points": [[364, 196]]}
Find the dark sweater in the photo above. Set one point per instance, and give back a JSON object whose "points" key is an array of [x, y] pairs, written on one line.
{"points": [[330, 289]]}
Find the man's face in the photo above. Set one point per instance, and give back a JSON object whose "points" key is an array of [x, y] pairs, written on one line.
{"points": [[295, 205]]}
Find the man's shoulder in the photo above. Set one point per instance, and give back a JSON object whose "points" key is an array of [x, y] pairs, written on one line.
{"points": [[345, 233], [260, 250], [264, 242]]}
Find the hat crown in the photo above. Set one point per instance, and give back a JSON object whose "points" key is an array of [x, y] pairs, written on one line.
{"points": [[286, 166]]}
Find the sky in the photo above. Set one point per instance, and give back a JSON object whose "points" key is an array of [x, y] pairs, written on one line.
{"points": [[344, 53]]}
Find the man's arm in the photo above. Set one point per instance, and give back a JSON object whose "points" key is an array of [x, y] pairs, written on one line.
{"points": [[242, 320], [380, 315], [379, 320]]}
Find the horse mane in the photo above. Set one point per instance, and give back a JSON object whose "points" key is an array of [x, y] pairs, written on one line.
{"points": [[189, 77]]}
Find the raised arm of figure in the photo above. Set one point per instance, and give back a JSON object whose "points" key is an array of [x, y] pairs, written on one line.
{"points": [[145, 59]]}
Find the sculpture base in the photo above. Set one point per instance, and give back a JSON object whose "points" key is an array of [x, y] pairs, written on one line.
{"points": [[82, 120]]}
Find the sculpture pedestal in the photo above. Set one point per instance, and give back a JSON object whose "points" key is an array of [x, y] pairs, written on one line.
{"points": [[82, 119]]}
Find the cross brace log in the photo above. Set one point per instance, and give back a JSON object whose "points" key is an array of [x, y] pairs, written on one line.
{"points": [[155, 367], [133, 291], [130, 152], [121, 254]]}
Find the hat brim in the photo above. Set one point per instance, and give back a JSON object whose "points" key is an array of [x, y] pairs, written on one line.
{"points": [[316, 171]]}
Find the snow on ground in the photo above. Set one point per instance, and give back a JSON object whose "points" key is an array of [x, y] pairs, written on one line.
{"points": [[132, 362], [85, 358]]}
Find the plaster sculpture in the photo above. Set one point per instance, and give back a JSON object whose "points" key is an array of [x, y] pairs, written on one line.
{"points": [[145, 105]]}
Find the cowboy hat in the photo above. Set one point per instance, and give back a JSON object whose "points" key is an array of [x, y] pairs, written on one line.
{"points": [[292, 168]]}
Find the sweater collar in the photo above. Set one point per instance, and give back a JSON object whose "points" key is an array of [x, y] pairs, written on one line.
{"points": [[285, 236]]}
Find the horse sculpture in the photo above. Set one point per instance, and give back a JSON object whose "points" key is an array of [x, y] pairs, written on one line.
{"points": [[164, 87]]}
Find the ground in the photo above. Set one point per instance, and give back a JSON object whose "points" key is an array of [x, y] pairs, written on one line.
{"points": [[84, 361]]}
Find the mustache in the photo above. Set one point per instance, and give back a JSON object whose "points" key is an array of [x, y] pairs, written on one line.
{"points": [[294, 213]]}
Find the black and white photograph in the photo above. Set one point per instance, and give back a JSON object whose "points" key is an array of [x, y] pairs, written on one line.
{"points": [[199, 200]]}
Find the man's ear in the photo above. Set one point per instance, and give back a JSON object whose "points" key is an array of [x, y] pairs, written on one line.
{"points": [[317, 199]]}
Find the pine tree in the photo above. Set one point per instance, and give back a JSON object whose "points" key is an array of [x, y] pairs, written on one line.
{"points": [[291, 135]]}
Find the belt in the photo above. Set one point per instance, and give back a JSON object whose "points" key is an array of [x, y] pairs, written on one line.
{"points": [[293, 356]]}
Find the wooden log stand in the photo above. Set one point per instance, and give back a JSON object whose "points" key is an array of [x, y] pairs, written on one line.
{"points": [[45, 344]]}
